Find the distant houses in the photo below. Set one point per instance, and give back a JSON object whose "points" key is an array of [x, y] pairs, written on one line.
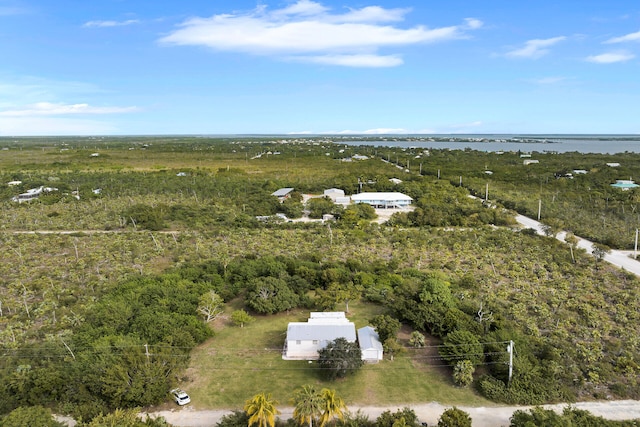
{"points": [[624, 184], [32, 194], [305, 339], [383, 200], [380, 200]]}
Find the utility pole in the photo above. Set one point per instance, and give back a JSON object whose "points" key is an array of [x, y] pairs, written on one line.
{"points": [[438, 173], [539, 208], [635, 250], [510, 349], [460, 180], [146, 352], [486, 193], [420, 168]]}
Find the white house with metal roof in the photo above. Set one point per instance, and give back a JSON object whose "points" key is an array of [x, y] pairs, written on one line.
{"points": [[305, 339], [370, 345], [383, 200]]}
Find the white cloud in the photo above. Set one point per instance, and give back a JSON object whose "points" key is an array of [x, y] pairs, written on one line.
{"points": [[548, 80], [102, 24], [372, 14], [535, 48], [51, 109], [302, 7], [30, 126], [308, 31], [611, 57], [632, 37], [473, 23], [374, 61]]}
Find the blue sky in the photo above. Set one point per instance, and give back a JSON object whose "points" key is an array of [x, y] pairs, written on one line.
{"points": [[126, 67]]}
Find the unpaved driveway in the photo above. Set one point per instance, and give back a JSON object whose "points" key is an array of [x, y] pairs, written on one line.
{"points": [[494, 416]]}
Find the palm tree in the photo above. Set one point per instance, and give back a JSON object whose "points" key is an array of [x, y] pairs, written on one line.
{"points": [[332, 406], [261, 409], [308, 405]]}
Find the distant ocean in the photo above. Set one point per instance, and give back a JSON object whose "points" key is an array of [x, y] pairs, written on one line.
{"points": [[607, 144]]}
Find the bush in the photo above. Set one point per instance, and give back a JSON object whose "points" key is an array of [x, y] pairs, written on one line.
{"points": [[454, 417], [462, 345], [463, 373]]}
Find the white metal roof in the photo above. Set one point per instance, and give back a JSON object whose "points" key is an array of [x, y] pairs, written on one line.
{"points": [[303, 331], [387, 197], [368, 338], [282, 192]]}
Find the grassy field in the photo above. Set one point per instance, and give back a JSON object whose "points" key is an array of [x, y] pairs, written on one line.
{"points": [[240, 362]]}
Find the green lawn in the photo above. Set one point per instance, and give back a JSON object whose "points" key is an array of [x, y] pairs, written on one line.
{"points": [[240, 362]]}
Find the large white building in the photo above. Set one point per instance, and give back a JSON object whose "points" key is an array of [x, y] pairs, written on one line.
{"points": [[383, 200], [305, 339]]}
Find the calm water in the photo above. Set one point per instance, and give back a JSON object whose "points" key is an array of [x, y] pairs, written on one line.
{"points": [[610, 144]]}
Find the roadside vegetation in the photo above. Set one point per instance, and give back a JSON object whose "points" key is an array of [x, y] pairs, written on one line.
{"points": [[166, 277]]}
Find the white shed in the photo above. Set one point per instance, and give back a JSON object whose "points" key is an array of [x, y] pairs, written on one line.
{"points": [[370, 345], [334, 193]]}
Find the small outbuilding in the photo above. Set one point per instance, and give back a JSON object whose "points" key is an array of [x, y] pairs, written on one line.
{"points": [[283, 193], [370, 345], [334, 193]]}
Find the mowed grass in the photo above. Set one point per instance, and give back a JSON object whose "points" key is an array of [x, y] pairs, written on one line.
{"points": [[240, 362]]}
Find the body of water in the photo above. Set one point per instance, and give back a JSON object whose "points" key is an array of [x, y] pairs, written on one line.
{"points": [[607, 144]]}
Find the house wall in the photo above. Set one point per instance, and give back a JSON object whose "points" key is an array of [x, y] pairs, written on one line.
{"points": [[371, 355], [303, 349]]}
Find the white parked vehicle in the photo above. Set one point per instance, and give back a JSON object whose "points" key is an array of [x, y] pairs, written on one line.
{"points": [[180, 397]]}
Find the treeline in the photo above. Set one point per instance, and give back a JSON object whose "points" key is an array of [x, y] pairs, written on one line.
{"points": [[573, 325], [126, 352]]}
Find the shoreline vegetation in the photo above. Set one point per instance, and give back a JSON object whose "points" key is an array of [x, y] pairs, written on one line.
{"points": [[95, 321]]}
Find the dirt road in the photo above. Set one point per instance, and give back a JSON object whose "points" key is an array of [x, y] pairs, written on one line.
{"points": [[618, 258], [428, 412]]}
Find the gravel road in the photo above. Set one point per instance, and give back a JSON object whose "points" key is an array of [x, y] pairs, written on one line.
{"points": [[620, 259], [494, 416]]}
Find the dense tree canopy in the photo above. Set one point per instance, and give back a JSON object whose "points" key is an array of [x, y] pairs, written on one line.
{"points": [[339, 359], [104, 313]]}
